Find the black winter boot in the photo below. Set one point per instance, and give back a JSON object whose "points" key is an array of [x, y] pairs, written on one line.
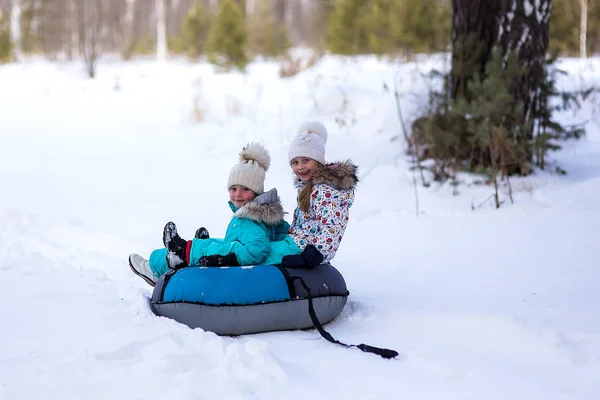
{"points": [[176, 247], [202, 233]]}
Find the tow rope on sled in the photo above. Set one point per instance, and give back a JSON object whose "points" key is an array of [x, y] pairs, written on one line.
{"points": [[385, 353]]}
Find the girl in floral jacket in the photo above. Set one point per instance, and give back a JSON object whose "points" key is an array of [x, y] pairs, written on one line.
{"points": [[325, 195]]}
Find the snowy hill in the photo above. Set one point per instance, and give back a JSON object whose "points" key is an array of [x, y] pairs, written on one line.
{"points": [[481, 304]]}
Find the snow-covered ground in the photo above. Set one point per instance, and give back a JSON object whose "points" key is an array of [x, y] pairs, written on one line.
{"points": [[481, 304]]}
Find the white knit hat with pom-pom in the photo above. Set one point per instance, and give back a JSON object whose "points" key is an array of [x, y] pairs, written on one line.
{"points": [[309, 142], [250, 171]]}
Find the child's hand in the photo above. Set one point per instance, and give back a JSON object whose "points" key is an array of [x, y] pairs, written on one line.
{"points": [[309, 258], [219, 261]]}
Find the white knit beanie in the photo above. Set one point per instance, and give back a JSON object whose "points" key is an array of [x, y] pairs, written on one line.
{"points": [[250, 171], [309, 142]]}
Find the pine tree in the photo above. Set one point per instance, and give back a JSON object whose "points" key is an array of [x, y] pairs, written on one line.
{"points": [[5, 44], [419, 26], [384, 26], [345, 33], [495, 113], [376, 25], [195, 30], [564, 27], [30, 39], [593, 37], [267, 36], [320, 14], [227, 36]]}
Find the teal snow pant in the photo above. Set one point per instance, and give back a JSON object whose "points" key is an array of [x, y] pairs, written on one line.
{"points": [[272, 253]]}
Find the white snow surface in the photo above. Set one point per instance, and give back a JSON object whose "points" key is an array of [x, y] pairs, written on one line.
{"points": [[481, 303]]}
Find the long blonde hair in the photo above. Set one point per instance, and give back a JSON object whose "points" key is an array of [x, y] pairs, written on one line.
{"points": [[305, 192]]}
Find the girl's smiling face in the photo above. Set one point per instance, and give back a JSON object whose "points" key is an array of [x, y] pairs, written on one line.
{"points": [[305, 168], [240, 195]]}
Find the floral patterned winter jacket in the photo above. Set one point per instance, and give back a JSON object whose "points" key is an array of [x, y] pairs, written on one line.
{"points": [[325, 223]]}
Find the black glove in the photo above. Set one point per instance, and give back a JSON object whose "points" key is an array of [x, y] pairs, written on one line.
{"points": [[202, 233], [309, 258], [219, 261]]}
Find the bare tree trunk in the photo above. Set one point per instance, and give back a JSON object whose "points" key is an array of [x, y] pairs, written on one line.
{"points": [[128, 25], [172, 17], [161, 31], [298, 28], [315, 22], [583, 29], [73, 30], [90, 20], [15, 28], [289, 15], [250, 7]]}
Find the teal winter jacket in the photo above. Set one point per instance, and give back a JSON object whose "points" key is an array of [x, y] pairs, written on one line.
{"points": [[257, 234]]}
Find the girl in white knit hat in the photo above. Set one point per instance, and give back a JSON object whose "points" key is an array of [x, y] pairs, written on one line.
{"points": [[325, 195], [257, 221]]}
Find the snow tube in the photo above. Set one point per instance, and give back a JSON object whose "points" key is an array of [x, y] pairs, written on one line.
{"points": [[241, 300]]}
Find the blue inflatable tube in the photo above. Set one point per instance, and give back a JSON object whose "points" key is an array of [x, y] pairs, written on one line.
{"points": [[241, 300]]}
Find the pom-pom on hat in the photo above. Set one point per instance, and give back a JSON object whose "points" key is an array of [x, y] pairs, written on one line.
{"points": [[309, 142], [250, 171]]}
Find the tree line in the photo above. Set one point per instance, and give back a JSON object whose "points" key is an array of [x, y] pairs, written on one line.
{"points": [[232, 31]]}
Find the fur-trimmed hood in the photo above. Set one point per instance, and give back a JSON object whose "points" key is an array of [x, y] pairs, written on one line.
{"points": [[341, 175], [267, 213]]}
